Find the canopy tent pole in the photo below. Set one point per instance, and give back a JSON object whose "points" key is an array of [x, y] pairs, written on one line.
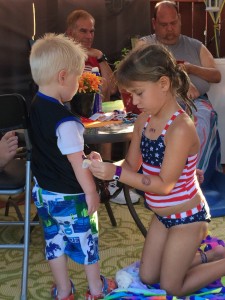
{"points": [[214, 8]]}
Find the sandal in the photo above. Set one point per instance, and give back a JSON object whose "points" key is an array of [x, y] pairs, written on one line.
{"points": [[54, 292], [108, 285]]}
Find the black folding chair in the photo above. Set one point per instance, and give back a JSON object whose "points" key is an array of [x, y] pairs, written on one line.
{"points": [[16, 177]]}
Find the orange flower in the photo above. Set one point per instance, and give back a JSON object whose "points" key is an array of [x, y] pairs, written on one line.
{"points": [[89, 83]]}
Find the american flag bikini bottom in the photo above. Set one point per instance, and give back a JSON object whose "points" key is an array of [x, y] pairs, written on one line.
{"points": [[196, 214]]}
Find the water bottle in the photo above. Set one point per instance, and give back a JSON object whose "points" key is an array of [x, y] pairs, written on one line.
{"points": [[98, 101]]}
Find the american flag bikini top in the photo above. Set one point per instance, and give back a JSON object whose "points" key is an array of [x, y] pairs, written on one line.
{"points": [[153, 150], [152, 156]]}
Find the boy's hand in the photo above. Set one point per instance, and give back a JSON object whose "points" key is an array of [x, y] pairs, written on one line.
{"points": [[93, 202]]}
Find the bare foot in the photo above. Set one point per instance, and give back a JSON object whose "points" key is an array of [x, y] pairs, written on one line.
{"points": [[216, 253]]}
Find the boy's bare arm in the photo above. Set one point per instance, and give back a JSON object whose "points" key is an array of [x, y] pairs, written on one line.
{"points": [[86, 180]]}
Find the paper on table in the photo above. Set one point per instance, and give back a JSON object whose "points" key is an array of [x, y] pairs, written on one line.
{"points": [[102, 116], [116, 128], [100, 124]]}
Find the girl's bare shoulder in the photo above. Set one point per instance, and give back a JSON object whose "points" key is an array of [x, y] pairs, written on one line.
{"points": [[183, 126], [139, 125]]}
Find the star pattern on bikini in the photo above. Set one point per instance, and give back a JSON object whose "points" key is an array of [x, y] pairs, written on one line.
{"points": [[197, 217], [153, 150]]}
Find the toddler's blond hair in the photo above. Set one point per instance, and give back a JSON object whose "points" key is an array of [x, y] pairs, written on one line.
{"points": [[53, 53]]}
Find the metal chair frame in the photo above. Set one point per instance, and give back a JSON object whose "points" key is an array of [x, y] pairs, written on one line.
{"points": [[14, 116]]}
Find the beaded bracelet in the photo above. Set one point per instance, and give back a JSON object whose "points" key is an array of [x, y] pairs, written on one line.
{"points": [[203, 257]]}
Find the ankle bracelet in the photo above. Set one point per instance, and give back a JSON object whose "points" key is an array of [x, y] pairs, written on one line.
{"points": [[203, 257]]}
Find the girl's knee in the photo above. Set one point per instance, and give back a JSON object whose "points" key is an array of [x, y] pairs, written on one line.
{"points": [[147, 278], [171, 288]]}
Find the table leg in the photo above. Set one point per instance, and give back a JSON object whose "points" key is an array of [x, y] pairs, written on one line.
{"points": [[106, 151]]}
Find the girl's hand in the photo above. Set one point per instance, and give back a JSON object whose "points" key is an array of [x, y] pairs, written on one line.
{"points": [[193, 92], [95, 156], [102, 170], [200, 175]]}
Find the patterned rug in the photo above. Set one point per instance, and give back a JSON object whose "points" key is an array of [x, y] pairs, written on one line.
{"points": [[119, 247]]}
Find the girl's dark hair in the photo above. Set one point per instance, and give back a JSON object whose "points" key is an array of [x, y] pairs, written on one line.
{"points": [[151, 62]]}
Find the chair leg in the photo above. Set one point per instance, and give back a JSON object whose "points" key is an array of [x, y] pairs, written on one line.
{"points": [[36, 218], [13, 203], [7, 208], [133, 211], [105, 196], [110, 213], [24, 282]]}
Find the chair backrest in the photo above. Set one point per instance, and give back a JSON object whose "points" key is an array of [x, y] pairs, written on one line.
{"points": [[14, 115]]}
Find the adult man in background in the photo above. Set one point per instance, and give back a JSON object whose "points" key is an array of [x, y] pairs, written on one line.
{"points": [[81, 27], [200, 66]]}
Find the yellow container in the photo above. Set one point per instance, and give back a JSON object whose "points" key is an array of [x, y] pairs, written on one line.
{"points": [[110, 106]]}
